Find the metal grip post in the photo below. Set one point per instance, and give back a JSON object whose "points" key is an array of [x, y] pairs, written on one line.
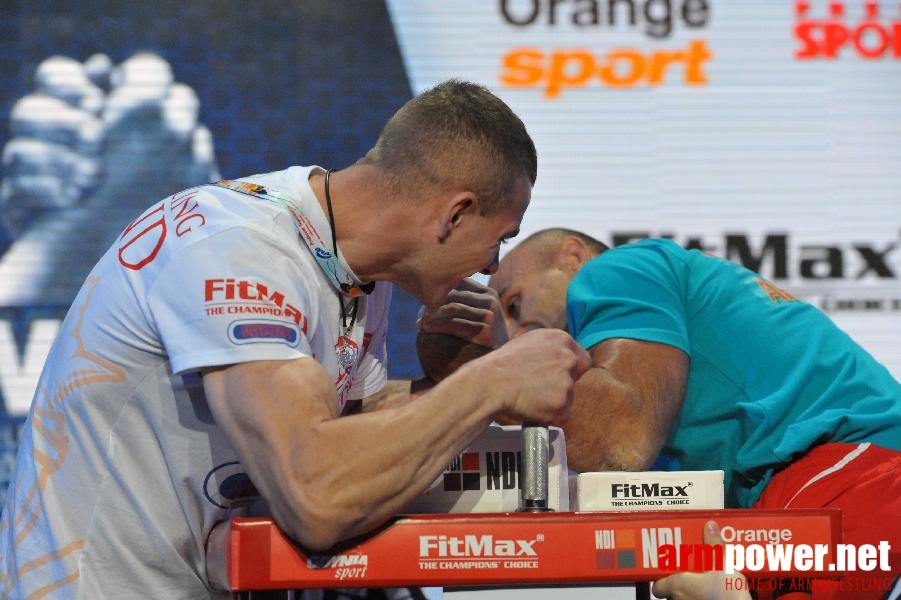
{"points": [[535, 448]]}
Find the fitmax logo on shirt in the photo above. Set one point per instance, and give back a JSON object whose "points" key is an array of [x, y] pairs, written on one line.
{"points": [[240, 296]]}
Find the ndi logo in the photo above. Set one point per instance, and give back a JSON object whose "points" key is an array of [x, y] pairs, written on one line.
{"points": [[463, 473], [654, 537], [502, 471], [615, 549]]}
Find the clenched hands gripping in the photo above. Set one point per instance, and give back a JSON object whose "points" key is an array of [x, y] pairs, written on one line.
{"points": [[536, 372]]}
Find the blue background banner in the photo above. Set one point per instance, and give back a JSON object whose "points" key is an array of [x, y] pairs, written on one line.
{"points": [[276, 84]]}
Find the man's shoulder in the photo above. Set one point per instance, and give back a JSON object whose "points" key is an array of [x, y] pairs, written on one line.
{"points": [[663, 245], [648, 249], [226, 204], [287, 181]]}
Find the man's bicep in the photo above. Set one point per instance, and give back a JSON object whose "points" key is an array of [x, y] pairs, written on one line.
{"points": [[265, 408], [658, 370]]}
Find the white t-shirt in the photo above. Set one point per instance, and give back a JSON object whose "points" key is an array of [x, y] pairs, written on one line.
{"points": [[122, 471]]}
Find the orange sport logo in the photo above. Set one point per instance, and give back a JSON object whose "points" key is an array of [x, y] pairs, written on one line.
{"points": [[557, 69], [619, 68]]}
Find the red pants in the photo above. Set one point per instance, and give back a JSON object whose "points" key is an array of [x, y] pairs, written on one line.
{"points": [[865, 482]]}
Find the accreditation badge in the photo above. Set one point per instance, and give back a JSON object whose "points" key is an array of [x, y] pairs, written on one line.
{"points": [[347, 351]]}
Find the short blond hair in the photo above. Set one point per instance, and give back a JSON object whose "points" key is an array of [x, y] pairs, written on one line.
{"points": [[456, 134]]}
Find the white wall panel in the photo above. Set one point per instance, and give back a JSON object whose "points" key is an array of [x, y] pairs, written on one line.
{"points": [[770, 144]]}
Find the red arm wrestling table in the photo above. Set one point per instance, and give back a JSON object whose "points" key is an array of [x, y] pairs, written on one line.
{"points": [[498, 549]]}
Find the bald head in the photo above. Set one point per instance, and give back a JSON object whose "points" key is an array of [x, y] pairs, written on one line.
{"points": [[531, 280], [546, 243], [542, 250]]}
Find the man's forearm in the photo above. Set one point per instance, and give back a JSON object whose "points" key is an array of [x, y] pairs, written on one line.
{"points": [[395, 393], [624, 406]]}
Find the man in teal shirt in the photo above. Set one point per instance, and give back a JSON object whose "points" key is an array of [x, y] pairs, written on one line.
{"points": [[769, 376], [703, 362]]}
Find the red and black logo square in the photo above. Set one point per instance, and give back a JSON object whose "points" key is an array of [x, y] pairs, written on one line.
{"points": [[463, 473]]}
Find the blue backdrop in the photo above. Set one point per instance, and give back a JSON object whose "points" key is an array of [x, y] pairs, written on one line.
{"points": [[279, 83]]}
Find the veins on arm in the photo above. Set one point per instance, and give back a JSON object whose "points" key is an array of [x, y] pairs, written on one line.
{"points": [[624, 406], [395, 393], [320, 474]]}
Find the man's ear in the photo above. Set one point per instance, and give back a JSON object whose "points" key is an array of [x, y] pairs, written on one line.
{"points": [[571, 254], [452, 212]]}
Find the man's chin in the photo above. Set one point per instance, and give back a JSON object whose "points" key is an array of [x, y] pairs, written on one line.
{"points": [[434, 300], [430, 296]]}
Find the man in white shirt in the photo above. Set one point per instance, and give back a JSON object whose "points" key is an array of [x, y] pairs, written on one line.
{"points": [[204, 364]]}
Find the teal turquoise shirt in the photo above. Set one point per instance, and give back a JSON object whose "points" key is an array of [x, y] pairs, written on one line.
{"points": [[770, 376]]}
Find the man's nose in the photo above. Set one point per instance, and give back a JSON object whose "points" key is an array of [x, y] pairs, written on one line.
{"points": [[492, 268]]}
